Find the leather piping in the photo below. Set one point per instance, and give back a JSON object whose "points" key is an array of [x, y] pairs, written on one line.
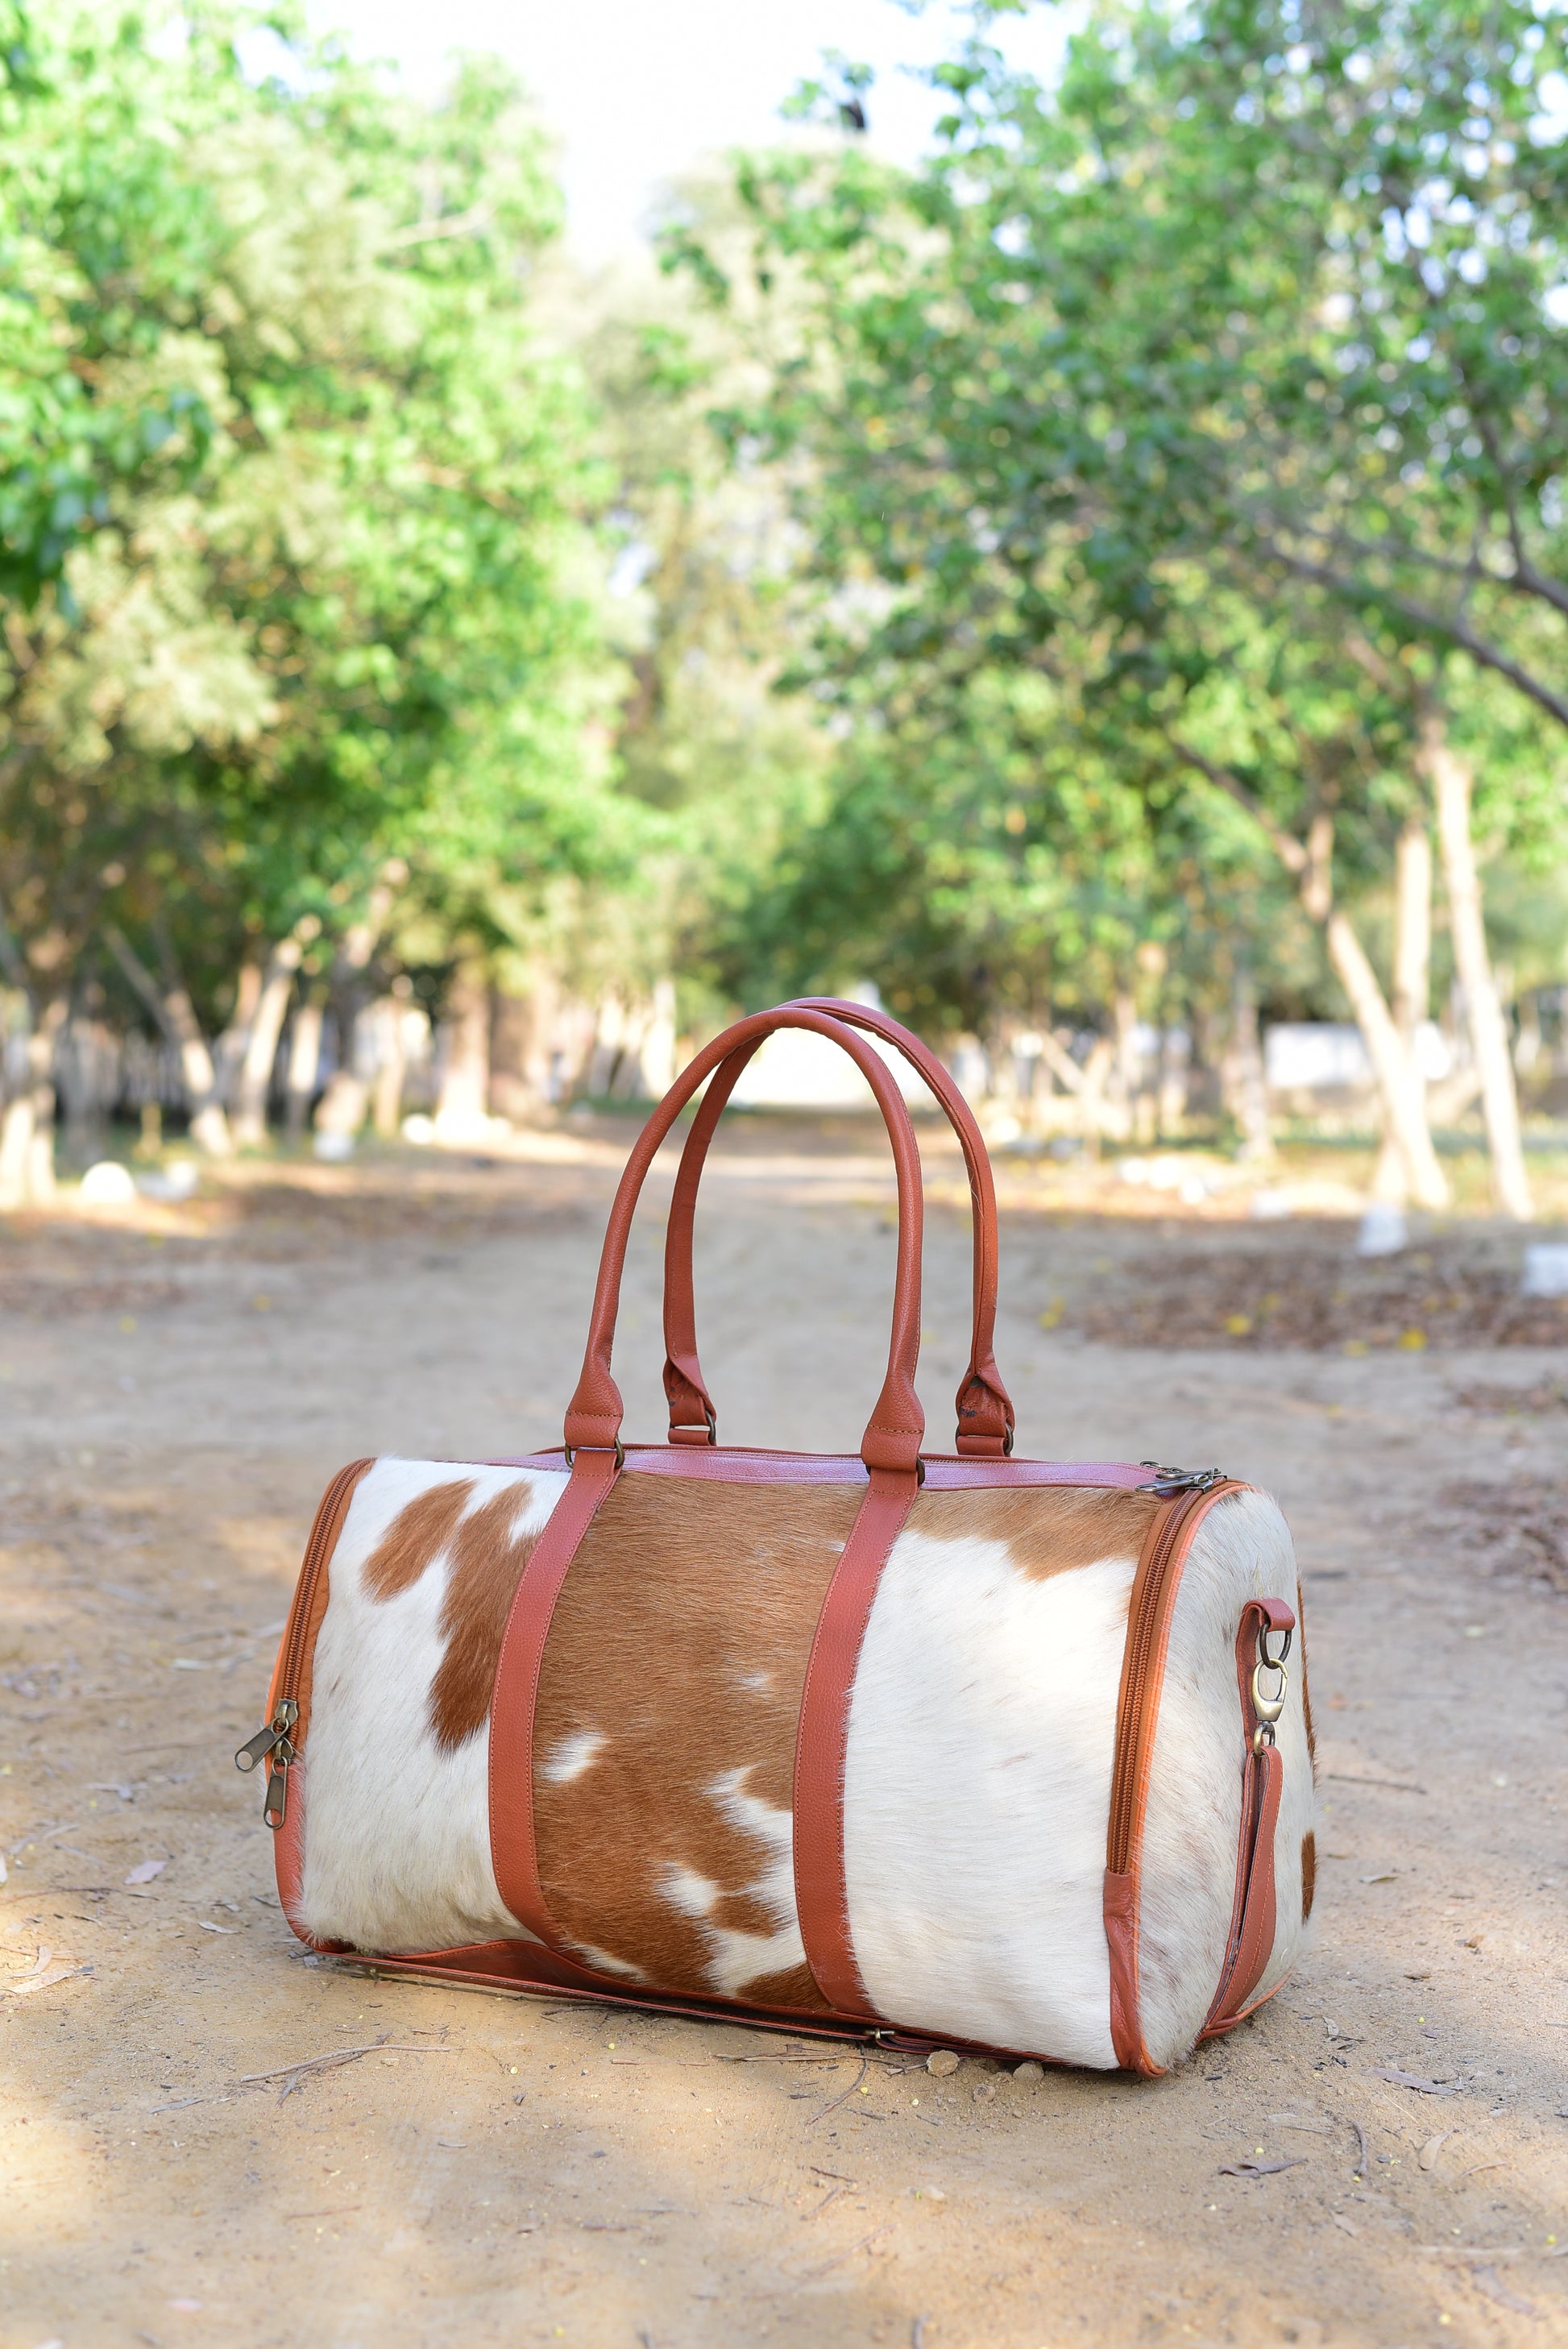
{"points": [[294, 1670], [1154, 1585]]}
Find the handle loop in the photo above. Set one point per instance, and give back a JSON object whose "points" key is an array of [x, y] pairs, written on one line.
{"points": [[892, 1436], [983, 1407]]}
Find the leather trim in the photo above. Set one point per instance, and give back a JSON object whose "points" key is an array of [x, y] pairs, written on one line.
{"points": [[296, 1657], [738, 1465], [521, 1969], [513, 1851], [1120, 1907], [1155, 1582], [983, 1407], [822, 1891]]}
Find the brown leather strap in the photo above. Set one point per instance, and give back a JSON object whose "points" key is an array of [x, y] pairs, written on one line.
{"points": [[513, 1851], [1253, 1914], [983, 1407], [892, 1436], [821, 1892]]}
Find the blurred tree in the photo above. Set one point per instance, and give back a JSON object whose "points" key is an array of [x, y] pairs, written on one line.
{"points": [[290, 505]]}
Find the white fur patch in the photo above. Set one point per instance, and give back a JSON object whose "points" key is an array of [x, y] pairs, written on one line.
{"points": [[396, 1833], [978, 1791], [1243, 1550], [572, 1756], [736, 1960]]}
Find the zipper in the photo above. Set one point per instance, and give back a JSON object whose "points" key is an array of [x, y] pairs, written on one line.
{"points": [[272, 1743], [1189, 1491]]}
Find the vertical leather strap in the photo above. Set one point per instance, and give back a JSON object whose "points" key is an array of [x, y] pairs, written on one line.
{"points": [[513, 1850], [822, 1891], [1254, 1913]]}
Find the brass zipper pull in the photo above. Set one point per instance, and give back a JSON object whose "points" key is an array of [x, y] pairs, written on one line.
{"points": [[1179, 1480], [262, 1743], [275, 1803]]}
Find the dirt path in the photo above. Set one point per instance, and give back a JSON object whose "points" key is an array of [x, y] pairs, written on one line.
{"points": [[174, 1394]]}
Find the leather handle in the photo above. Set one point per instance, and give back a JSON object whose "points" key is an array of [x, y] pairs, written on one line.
{"points": [[892, 1436], [982, 1404]]}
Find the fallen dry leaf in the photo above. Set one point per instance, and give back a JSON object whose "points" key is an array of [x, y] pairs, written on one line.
{"points": [[144, 1870], [1414, 2080], [1260, 2169], [1428, 2157], [1488, 2280]]}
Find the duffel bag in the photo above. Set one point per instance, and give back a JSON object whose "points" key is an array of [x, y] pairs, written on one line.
{"points": [[934, 1746]]}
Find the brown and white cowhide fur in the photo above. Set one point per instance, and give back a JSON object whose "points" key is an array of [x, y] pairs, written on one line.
{"points": [[981, 1735]]}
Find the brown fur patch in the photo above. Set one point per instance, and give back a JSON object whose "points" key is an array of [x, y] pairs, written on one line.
{"points": [[487, 1562], [680, 1638], [416, 1535], [683, 1597], [1308, 1873], [1049, 1528]]}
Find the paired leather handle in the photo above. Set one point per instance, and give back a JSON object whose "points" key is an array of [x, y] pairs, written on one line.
{"points": [[892, 1436], [983, 1407]]}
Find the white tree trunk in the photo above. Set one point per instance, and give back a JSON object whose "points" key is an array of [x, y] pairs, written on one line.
{"points": [[1412, 976], [1243, 1071], [262, 1044], [1400, 1088], [305, 1066], [463, 1110], [1451, 780]]}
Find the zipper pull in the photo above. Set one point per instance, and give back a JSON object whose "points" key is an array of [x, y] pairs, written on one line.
{"points": [[277, 1795], [263, 1743], [1179, 1480]]}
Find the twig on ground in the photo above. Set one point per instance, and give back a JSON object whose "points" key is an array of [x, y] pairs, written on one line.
{"points": [[808, 2274], [849, 2091], [1364, 2166], [294, 2074]]}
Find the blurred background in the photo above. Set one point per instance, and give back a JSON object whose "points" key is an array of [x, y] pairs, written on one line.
{"points": [[524, 533]]}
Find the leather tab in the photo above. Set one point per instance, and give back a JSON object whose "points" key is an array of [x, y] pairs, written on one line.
{"points": [[821, 1890], [1120, 1906], [514, 1700]]}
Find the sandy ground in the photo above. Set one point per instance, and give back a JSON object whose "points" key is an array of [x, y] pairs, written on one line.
{"points": [[175, 1388]]}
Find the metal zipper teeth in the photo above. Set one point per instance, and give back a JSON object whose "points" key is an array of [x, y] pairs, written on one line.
{"points": [[1142, 1638], [322, 1537]]}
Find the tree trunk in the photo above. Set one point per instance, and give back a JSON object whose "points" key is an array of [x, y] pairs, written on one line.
{"points": [[1451, 779], [1246, 1088], [256, 1075], [1412, 975], [463, 1110], [305, 1064], [391, 1069], [28, 1127], [176, 1014], [229, 1052], [1401, 1089]]}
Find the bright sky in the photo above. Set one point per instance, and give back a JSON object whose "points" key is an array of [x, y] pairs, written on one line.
{"points": [[639, 90]]}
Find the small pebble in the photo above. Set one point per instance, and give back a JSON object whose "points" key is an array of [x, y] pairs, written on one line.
{"points": [[1030, 2072], [985, 2090], [941, 2063]]}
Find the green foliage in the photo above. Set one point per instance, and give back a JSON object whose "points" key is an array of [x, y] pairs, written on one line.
{"points": [[291, 501], [1222, 387]]}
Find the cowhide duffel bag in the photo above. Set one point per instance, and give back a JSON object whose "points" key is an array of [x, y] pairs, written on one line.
{"points": [[947, 1746]]}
